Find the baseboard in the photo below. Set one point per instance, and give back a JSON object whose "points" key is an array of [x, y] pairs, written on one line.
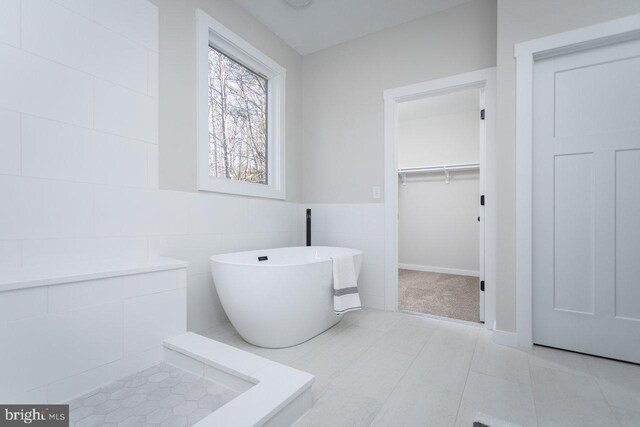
{"points": [[443, 270], [505, 338]]}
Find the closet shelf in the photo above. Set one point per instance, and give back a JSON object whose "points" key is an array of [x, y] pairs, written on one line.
{"points": [[437, 168]]}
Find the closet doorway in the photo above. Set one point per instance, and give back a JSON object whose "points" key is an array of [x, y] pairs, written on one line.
{"points": [[438, 226], [439, 205]]}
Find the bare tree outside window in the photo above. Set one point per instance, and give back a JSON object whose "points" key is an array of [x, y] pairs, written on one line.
{"points": [[237, 120]]}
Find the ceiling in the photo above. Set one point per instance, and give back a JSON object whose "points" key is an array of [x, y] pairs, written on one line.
{"points": [[450, 103], [329, 22]]}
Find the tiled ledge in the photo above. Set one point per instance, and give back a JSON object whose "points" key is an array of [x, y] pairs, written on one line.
{"points": [[22, 278], [271, 393]]}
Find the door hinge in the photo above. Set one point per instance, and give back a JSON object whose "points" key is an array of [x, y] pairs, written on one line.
{"points": [[482, 114], [482, 200], [482, 285]]}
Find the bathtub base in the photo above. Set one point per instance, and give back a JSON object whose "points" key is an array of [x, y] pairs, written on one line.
{"points": [[268, 343]]}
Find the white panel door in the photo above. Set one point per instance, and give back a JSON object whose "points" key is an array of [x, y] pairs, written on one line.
{"points": [[586, 202]]}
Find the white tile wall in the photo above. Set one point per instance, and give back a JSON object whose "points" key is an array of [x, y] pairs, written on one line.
{"points": [[9, 142], [82, 7], [81, 44], [10, 253], [70, 338], [135, 19], [16, 305], [33, 85], [38, 252], [56, 150], [149, 319], [118, 161], [10, 22], [121, 111], [83, 294]]}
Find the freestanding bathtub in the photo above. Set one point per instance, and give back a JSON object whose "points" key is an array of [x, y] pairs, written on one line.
{"points": [[279, 297]]}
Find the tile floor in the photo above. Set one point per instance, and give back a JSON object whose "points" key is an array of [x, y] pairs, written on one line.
{"points": [[159, 396], [393, 369]]}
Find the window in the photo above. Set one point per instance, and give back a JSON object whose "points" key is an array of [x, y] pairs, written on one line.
{"points": [[237, 120], [240, 115]]}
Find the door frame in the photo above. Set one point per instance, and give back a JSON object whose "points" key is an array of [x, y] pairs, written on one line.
{"points": [[484, 79], [526, 54]]}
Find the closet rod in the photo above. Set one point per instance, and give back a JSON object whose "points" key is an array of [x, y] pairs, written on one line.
{"points": [[438, 168]]}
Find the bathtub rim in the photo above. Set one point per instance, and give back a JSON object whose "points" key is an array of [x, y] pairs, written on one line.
{"points": [[214, 258]]}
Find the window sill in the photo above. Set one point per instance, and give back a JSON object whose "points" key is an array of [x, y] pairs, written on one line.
{"points": [[240, 188]]}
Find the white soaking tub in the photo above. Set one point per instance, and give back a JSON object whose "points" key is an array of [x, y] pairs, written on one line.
{"points": [[278, 298]]}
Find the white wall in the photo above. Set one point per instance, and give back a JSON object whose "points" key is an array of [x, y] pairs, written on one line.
{"points": [[343, 93], [79, 151], [437, 226], [521, 20], [178, 138]]}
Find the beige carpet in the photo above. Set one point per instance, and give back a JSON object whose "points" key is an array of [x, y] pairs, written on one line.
{"points": [[445, 295]]}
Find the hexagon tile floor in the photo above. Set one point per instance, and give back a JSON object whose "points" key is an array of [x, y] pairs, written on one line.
{"points": [[159, 396]]}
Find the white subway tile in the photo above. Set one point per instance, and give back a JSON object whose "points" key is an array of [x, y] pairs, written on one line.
{"points": [[38, 349], [149, 283], [35, 208], [9, 142], [135, 19], [168, 212], [82, 44], [84, 294], [205, 309], [10, 22], [37, 252], [152, 166], [337, 218], [21, 209], [371, 279], [33, 85], [94, 334], [118, 161], [213, 213], [195, 249], [150, 319], [274, 215], [60, 151], [67, 210], [372, 247], [10, 253], [373, 218], [55, 150], [120, 211], [22, 304], [153, 74], [83, 7], [124, 112]]}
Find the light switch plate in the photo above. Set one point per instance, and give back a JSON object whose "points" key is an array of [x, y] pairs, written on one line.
{"points": [[376, 192]]}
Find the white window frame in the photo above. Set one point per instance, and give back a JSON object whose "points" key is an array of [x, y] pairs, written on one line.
{"points": [[210, 32]]}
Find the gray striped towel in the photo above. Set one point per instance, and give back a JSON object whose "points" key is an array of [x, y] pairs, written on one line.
{"points": [[345, 286]]}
